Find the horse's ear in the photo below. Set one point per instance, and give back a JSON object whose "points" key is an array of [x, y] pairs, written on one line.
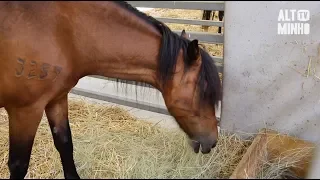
{"points": [[184, 34], [193, 51]]}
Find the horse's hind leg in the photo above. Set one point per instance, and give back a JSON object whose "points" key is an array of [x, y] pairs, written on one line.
{"points": [[57, 114], [206, 16], [221, 14], [23, 125]]}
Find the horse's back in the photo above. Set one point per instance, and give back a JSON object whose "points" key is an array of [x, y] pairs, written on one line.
{"points": [[31, 60]]}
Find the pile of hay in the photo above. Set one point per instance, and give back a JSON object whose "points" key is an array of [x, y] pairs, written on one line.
{"points": [[110, 143], [286, 165]]}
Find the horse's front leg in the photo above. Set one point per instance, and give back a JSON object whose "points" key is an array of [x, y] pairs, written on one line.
{"points": [[23, 125], [57, 114]]}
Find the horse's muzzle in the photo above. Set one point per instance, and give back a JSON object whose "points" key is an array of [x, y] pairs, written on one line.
{"points": [[206, 145]]}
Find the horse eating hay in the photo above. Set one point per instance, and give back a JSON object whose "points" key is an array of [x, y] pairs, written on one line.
{"points": [[46, 47]]}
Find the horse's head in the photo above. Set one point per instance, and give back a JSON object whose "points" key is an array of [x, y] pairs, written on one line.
{"points": [[192, 94]]}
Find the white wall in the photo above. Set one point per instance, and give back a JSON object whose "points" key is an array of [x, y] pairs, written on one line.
{"points": [[260, 88]]}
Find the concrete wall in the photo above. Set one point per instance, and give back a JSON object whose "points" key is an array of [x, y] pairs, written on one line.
{"points": [[264, 84]]}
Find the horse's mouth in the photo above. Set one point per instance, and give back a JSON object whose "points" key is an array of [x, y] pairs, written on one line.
{"points": [[205, 148], [195, 145]]}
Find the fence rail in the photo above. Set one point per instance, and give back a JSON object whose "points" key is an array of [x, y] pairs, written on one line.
{"points": [[190, 5], [204, 37], [191, 21], [211, 38], [120, 100]]}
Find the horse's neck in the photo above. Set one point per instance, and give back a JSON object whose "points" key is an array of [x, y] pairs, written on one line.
{"points": [[119, 45]]}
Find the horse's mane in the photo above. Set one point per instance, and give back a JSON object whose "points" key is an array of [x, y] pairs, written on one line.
{"points": [[170, 47]]}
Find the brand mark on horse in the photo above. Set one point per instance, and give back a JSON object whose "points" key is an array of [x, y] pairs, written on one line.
{"points": [[35, 67]]}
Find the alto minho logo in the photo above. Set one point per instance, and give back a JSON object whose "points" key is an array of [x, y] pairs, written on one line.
{"points": [[293, 22]]}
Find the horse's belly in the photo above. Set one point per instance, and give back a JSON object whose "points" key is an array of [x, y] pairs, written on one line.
{"points": [[23, 92]]}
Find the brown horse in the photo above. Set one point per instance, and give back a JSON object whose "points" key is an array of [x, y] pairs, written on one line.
{"points": [[46, 47]]}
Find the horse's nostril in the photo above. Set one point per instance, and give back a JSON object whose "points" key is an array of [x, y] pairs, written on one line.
{"points": [[214, 145]]}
